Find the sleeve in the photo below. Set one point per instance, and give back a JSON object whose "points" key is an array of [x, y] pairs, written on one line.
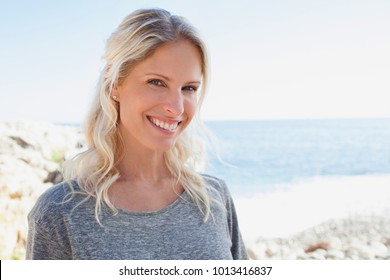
{"points": [[47, 238], [238, 248], [41, 245]]}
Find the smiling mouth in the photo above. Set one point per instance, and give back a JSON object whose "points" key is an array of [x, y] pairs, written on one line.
{"points": [[164, 125]]}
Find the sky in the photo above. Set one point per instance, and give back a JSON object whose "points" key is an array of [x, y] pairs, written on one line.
{"points": [[269, 59]]}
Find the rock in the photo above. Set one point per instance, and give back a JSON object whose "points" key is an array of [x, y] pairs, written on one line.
{"points": [[379, 249], [317, 254], [357, 238], [315, 247], [335, 243], [259, 250], [352, 253], [366, 253], [11, 181], [21, 142], [272, 249], [334, 254], [54, 177], [30, 157]]}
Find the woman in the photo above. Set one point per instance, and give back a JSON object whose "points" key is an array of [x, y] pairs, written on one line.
{"points": [[135, 194]]}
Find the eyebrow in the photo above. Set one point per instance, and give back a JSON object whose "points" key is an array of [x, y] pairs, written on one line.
{"points": [[162, 76], [168, 79]]}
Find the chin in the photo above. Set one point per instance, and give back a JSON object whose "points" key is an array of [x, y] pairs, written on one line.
{"points": [[164, 146]]}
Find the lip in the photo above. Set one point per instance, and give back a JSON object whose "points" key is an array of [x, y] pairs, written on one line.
{"points": [[166, 120]]}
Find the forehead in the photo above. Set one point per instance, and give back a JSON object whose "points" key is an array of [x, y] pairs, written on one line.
{"points": [[176, 60]]}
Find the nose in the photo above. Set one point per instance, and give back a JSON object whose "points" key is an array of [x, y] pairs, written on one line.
{"points": [[174, 103]]}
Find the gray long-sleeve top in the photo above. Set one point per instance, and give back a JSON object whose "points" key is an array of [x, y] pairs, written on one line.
{"points": [[63, 231]]}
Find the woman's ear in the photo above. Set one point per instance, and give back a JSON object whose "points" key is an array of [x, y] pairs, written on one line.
{"points": [[115, 94]]}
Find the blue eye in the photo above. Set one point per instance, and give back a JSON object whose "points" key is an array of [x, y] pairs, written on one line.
{"points": [[190, 89], [156, 82]]}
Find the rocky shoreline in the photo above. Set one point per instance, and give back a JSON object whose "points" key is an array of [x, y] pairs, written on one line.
{"points": [[321, 218], [354, 238], [30, 157]]}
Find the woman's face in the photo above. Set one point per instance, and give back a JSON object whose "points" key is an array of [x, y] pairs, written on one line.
{"points": [[158, 98]]}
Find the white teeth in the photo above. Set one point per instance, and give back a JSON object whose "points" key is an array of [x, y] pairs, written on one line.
{"points": [[164, 125]]}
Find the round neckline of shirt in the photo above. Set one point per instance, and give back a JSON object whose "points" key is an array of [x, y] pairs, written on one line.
{"points": [[180, 199]]}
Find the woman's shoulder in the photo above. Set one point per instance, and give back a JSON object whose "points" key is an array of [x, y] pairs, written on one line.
{"points": [[56, 200], [214, 181], [216, 184]]}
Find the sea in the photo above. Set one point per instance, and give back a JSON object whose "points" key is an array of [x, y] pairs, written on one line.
{"points": [[260, 156]]}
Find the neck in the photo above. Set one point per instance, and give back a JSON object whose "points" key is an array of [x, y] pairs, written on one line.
{"points": [[138, 163]]}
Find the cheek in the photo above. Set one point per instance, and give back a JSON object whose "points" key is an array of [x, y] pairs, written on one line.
{"points": [[128, 110], [190, 107]]}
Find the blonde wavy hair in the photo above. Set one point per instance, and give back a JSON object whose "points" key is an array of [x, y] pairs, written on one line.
{"points": [[136, 38]]}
